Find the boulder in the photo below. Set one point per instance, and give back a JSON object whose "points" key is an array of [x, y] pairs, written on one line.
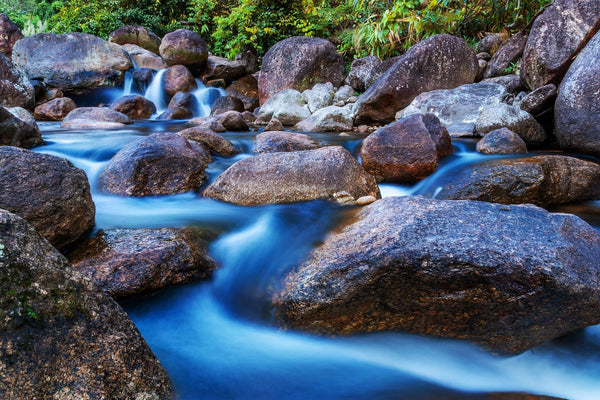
{"points": [[227, 103], [178, 79], [222, 68], [556, 38], [543, 180], [144, 58], [126, 262], [9, 35], [507, 55], [577, 107], [134, 106], [184, 47], [18, 128], [540, 100], [54, 110], [320, 96], [343, 94], [361, 73], [503, 115], [183, 100], [177, 113], [490, 44], [299, 63], [136, 35], [328, 119], [95, 118], [292, 177], [406, 151], [439, 62], [15, 88], [233, 121], [249, 60], [245, 89], [209, 139], [506, 277], [48, 95], [142, 77], [288, 106], [48, 192], [274, 125], [162, 163], [501, 141], [71, 61], [511, 82], [61, 336], [281, 141]]}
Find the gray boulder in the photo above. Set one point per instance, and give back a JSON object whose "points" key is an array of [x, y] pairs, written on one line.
{"points": [[320, 96], [281, 141], [361, 73], [15, 88], [507, 55], [144, 58], [136, 35], [95, 118], [540, 100], [503, 115], [343, 94], [288, 106], [328, 119], [222, 68]]}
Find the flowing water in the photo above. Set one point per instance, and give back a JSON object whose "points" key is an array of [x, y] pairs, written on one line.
{"points": [[217, 341]]}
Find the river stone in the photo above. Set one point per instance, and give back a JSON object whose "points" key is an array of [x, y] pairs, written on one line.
{"points": [[233, 121], [292, 177], [543, 180], [320, 96], [71, 61], [126, 262], [406, 151], [54, 110], [162, 163], [227, 103], [183, 100], [506, 277], [211, 140], [509, 53], [178, 79], [280, 141], [540, 100], [328, 119], [18, 128], [136, 35], [144, 58], [15, 88], [501, 141], [222, 68], [62, 337], [361, 72], [274, 125], [95, 118], [577, 107], [502, 115], [288, 106], [134, 106], [439, 62], [48, 192], [299, 63], [177, 113], [184, 47], [245, 89], [556, 38]]}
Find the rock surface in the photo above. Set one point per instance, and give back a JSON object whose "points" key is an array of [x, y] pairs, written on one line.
{"points": [[245, 89], [320, 96], [144, 58], [61, 337], [280, 141], [361, 72], [9, 35], [178, 79], [501, 141], [503, 115], [211, 140], [15, 88], [288, 106], [54, 110], [184, 47], [227, 103], [436, 268], [95, 117], [292, 177], [137, 35], [134, 106], [328, 119], [126, 262], [540, 100], [222, 68], [18, 130], [48, 192], [507, 55]]}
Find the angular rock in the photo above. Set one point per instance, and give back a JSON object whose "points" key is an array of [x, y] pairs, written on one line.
{"points": [[343, 94], [299, 63], [134, 107], [292, 177], [211, 140], [71, 61], [503, 115], [439, 62], [15, 88], [281, 141], [288, 106], [407, 150], [144, 58], [48, 192], [54, 110], [9, 35], [361, 72], [95, 117], [126, 262], [540, 100], [274, 125], [233, 121], [178, 79], [61, 336], [489, 44], [556, 37], [227, 103], [184, 47], [320, 96], [506, 277], [222, 68], [245, 89], [509, 53], [136, 35], [577, 107], [501, 141], [328, 119], [18, 130], [162, 163]]}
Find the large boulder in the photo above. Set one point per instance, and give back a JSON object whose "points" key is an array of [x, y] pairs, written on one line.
{"points": [[320, 96], [281, 141], [361, 73], [144, 58], [47, 191], [71, 61], [288, 106], [54, 110], [18, 128], [245, 89], [178, 79], [222, 68], [126, 262], [517, 120], [507, 55], [137, 35], [577, 107], [540, 100], [292, 177], [406, 151], [439, 62], [555, 39], [62, 337], [299, 63], [507, 277], [184, 47], [134, 106], [9, 35], [543, 180], [328, 119], [15, 88], [95, 118], [162, 163]]}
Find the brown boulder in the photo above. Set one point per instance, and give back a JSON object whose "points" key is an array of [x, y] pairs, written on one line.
{"points": [[54, 110], [184, 47], [178, 79], [144, 58], [177, 113], [222, 68], [245, 89], [279, 141], [15, 88], [233, 121], [136, 34], [211, 140], [134, 107], [508, 54], [18, 128], [9, 35], [501, 141], [227, 103]]}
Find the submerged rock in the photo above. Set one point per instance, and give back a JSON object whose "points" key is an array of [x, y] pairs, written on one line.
{"points": [[18, 128], [507, 277]]}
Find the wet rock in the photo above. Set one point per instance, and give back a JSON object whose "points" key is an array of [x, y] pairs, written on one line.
{"points": [[48, 192], [95, 117], [439, 62], [501, 141], [49, 95], [365, 200], [280, 141], [62, 336], [15, 88], [292, 177], [144, 58], [343, 94], [328, 119], [183, 100], [288, 106], [407, 150], [490, 44], [211, 140], [9, 35], [227, 103], [184, 47], [484, 56], [126, 262], [320, 96], [178, 79], [361, 73], [177, 113], [136, 35], [71, 61], [540, 100], [208, 123], [222, 68], [142, 77], [18, 128], [577, 107], [245, 89], [541, 180], [134, 107], [507, 55], [506, 277], [162, 163], [233, 121], [274, 125], [54, 110], [503, 115], [556, 37], [299, 63]]}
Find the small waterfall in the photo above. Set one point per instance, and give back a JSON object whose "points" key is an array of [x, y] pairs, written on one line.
{"points": [[128, 84], [206, 97], [155, 92]]}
